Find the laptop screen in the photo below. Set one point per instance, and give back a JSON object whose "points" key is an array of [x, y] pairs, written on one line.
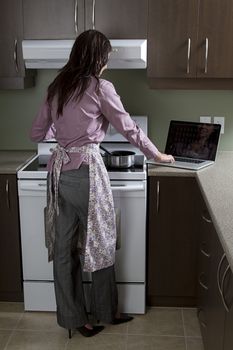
{"points": [[193, 140]]}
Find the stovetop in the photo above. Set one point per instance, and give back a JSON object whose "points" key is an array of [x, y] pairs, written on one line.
{"points": [[37, 169]]}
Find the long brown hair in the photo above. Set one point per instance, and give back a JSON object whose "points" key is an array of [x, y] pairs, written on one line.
{"points": [[88, 56]]}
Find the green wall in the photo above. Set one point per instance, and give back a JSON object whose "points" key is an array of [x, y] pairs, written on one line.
{"points": [[18, 108]]}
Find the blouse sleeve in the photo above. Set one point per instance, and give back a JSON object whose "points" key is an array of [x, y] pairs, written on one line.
{"points": [[114, 112], [41, 123]]}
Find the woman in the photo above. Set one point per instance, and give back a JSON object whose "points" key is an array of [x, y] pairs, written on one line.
{"points": [[80, 212]]}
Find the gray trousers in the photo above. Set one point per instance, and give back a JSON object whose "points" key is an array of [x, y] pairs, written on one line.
{"points": [[73, 210]]}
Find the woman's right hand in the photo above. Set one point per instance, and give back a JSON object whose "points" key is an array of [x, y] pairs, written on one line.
{"points": [[164, 158]]}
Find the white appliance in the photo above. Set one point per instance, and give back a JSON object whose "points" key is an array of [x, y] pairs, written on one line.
{"points": [[129, 193], [43, 54]]}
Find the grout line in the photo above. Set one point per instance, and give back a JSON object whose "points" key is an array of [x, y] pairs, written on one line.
{"points": [[13, 331], [185, 339]]}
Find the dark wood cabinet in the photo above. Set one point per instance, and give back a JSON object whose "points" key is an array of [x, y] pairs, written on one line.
{"points": [[171, 38], [10, 258], [65, 19], [118, 19], [190, 41], [12, 71], [215, 287], [53, 19], [172, 241]]}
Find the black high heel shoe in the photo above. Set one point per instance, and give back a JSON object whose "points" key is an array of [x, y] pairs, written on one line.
{"points": [[122, 319], [86, 332]]}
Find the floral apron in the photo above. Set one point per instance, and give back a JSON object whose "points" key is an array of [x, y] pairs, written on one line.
{"points": [[98, 247]]}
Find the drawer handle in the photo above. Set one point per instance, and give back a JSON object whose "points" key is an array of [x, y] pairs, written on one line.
{"points": [[202, 250], [206, 219], [201, 283], [222, 288], [7, 194], [218, 272], [158, 194], [198, 316]]}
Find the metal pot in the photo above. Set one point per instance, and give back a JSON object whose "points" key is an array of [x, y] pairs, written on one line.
{"points": [[118, 159]]}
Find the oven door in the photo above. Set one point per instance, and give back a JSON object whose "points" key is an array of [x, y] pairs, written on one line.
{"points": [[130, 205]]}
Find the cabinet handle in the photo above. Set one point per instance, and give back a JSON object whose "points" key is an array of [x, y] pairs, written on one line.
{"points": [[203, 251], [188, 55], [76, 16], [218, 273], [157, 198], [7, 194], [222, 288], [206, 54], [93, 14], [205, 219], [16, 56], [201, 283], [198, 316]]}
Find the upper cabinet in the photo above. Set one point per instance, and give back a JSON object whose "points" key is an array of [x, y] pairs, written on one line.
{"points": [[171, 38], [53, 19], [215, 32], [65, 19], [12, 71], [190, 39], [118, 19]]}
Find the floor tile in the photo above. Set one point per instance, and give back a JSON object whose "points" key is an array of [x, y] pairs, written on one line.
{"points": [[39, 321], [194, 344], [4, 336], [142, 342], [36, 340], [191, 325], [158, 321], [98, 342], [10, 313]]}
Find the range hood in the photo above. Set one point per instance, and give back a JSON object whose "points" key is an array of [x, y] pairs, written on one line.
{"points": [[53, 54]]}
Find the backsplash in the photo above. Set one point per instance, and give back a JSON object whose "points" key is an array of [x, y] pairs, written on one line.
{"points": [[18, 107]]}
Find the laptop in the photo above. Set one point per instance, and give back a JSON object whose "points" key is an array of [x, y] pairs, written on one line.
{"points": [[193, 145]]}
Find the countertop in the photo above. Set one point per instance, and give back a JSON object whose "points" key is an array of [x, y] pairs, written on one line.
{"points": [[216, 184], [12, 161]]}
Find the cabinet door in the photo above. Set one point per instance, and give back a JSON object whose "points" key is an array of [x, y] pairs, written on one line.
{"points": [[11, 64], [53, 19], [215, 49], [172, 38], [10, 260], [118, 19], [172, 241]]}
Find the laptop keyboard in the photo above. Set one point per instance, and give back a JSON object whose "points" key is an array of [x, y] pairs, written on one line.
{"points": [[189, 160]]}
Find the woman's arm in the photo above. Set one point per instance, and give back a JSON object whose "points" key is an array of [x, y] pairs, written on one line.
{"points": [[113, 110], [41, 123]]}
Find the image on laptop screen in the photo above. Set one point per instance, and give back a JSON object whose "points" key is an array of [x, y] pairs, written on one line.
{"points": [[193, 140]]}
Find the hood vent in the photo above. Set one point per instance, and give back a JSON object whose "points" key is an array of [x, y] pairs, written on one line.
{"points": [[53, 54]]}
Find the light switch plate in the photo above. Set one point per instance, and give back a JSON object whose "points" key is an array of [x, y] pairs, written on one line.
{"points": [[221, 121], [205, 119]]}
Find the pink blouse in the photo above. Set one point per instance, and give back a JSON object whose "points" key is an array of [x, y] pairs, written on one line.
{"points": [[87, 120]]}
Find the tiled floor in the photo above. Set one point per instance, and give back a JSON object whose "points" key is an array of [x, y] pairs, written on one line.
{"points": [[159, 329]]}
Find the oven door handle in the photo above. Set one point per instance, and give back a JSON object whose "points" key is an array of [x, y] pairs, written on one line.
{"points": [[39, 186], [126, 188]]}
